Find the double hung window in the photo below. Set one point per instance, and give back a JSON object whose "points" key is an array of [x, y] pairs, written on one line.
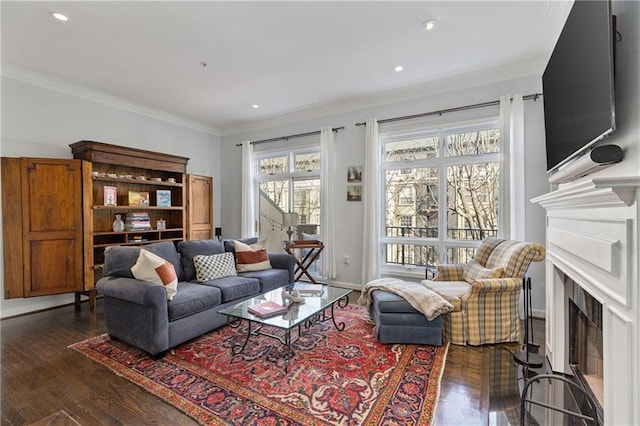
{"points": [[441, 194]]}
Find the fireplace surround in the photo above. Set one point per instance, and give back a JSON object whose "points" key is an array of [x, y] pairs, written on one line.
{"points": [[592, 244]]}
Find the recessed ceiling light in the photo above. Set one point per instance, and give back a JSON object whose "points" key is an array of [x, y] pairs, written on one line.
{"points": [[59, 16], [255, 106], [428, 25], [398, 68]]}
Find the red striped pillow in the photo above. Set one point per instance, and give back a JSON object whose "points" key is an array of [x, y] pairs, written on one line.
{"points": [[252, 257]]}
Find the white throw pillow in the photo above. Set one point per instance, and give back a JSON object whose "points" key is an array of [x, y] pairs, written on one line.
{"points": [[153, 268], [251, 258], [214, 266]]}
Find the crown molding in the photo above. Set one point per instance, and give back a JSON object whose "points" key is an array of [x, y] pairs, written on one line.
{"points": [[41, 80]]}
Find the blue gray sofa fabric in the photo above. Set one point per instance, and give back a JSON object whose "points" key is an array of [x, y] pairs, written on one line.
{"points": [[138, 312]]}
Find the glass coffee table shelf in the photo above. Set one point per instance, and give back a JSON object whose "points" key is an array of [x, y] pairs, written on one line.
{"points": [[317, 308]]}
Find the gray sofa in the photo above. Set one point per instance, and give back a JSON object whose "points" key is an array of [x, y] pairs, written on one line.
{"points": [[138, 312]]}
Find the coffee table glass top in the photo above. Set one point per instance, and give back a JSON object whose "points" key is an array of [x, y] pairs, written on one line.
{"points": [[296, 314]]}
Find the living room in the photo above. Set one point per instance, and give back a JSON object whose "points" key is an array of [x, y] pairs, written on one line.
{"points": [[42, 115]]}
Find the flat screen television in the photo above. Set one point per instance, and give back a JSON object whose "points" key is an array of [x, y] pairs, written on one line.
{"points": [[578, 83]]}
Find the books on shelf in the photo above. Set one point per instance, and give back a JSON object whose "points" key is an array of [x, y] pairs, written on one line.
{"points": [[163, 198], [308, 289], [267, 309], [137, 198], [137, 222], [110, 196]]}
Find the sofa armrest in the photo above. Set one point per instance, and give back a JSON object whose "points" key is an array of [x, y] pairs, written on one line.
{"points": [[284, 261], [496, 285], [451, 272], [133, 290]]}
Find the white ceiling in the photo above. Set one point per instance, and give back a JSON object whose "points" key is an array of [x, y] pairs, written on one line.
{"points": [[285, 56]]}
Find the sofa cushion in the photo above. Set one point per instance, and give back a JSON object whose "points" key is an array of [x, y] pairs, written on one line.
{"points": [[234, 288], [214, 266], [190, 249], [230, 246], [252, 257], [153, 268], [193, 298], [473, 271], [270, 278], [118, 260]]}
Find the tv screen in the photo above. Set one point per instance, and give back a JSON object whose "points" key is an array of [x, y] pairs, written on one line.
{"points": [[578, 83]]}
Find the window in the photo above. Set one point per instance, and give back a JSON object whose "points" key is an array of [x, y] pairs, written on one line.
{"points": [[441, 193], [288, 182]]}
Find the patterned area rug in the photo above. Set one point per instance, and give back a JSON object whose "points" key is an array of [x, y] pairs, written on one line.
{"points": [[334, 378]]}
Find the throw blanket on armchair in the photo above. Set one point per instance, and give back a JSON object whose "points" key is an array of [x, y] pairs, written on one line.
{"points": [[424, 300]]}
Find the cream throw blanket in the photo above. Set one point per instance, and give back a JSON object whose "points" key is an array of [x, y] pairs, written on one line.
{"points": [[424, 300]]}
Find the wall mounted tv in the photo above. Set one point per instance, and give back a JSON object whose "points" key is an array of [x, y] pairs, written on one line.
{"points": [[577, 83]]}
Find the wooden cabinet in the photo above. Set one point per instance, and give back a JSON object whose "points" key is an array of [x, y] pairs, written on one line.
{"points": [[199, 207], [134, 173], [42, 225]]}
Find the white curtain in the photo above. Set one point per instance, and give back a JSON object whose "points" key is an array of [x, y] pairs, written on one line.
{"points": [[247, 210], [327, 195], [371, 225], [513, 161]]}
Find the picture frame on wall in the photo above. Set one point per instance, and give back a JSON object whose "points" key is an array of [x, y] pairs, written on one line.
{"points": [[354, 174], [354, 192]]}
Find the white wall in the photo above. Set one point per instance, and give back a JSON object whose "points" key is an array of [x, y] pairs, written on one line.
{"points": [[41, 122], [350, 146]]}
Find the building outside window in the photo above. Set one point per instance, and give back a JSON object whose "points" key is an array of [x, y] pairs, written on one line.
{"points": [[441, 190]]}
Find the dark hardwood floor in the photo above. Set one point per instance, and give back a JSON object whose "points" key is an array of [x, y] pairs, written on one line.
{"points": [[41, 376]]}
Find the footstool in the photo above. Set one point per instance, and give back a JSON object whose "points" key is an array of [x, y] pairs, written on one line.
{"points": [[398, 322]]}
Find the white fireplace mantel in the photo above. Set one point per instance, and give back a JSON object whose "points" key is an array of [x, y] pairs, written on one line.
{"points": [[592, 237]]}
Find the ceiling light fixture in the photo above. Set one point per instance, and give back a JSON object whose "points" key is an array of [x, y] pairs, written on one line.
{"points": [[255, 106], [398, 68], [59, 16], [428, 25]]}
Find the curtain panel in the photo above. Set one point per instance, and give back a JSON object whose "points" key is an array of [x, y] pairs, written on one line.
{"points": [[371, 198]]}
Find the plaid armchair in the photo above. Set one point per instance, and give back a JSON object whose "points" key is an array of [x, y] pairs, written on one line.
{"points": [[485, 292]]}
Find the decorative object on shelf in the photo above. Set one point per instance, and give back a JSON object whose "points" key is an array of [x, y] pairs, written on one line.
{"points": [[118, 224], [172, 180], [290, 220], [138, 222], [218, 233], [163, 198], [110, 196], [137, 198], [161, 224]]}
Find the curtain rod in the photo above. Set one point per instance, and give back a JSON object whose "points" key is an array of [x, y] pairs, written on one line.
{"points": [[286, 138], [534, 96]]}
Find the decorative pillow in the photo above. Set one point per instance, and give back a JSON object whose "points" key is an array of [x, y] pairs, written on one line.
{"points": [[251, 257], [474, 271], [214, 266], [153, 268], [306, 236]]}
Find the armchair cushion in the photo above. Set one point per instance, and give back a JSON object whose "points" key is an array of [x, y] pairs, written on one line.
{"points": [[473, 271]]}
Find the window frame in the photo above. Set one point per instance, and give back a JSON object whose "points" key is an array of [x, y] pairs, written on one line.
{"points": [[441, 243]]}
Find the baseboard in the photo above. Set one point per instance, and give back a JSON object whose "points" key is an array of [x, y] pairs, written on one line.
{"points": [[538, 314]]}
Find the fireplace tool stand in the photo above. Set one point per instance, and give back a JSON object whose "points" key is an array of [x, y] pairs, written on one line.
{"points": [[527, 357]]}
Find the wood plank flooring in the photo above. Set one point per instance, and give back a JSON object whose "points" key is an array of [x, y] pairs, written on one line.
{"points": [[41, 376]]}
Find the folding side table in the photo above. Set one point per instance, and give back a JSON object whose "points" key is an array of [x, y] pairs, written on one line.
{"points": [[314, 248]]}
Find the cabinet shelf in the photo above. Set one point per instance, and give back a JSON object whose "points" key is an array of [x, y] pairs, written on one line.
{"points": [[139, 182], [137, 232], [138, 207]]}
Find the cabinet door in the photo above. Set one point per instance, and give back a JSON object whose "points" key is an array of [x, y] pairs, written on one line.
{"points": [[52, 226], [199, 207]]}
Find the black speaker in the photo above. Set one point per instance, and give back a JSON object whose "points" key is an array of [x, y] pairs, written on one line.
{"points": [[606, 154]]}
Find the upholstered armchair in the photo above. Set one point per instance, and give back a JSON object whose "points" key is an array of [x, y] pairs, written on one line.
{"points": [[485, 292]]}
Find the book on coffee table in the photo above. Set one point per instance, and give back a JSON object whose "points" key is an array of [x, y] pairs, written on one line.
{"points": [[308, 289], [267, 309]]}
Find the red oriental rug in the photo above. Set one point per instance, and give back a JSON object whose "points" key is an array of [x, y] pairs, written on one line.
{"points": [[334, 378]]}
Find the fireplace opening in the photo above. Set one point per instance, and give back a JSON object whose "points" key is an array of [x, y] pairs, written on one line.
{"points": [[586, 343]]}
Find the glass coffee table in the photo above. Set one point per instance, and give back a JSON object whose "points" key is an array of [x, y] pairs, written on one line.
{"points": [[317, 308]]}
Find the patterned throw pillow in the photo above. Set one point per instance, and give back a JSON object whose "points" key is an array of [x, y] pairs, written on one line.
{"points": [[214, 266], [251, 258], [151, 267], [474, 271]]}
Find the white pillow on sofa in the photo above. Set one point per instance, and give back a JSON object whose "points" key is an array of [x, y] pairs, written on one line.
{"points": [[151, 267], [214, 266]]}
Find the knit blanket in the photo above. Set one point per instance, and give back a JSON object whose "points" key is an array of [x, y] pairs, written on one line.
{"points": [[423, 299]]}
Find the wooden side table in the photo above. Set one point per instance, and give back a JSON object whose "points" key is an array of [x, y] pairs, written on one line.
{"points": [[315, 247]]}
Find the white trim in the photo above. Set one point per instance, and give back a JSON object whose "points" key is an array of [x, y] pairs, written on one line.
{"points": [[35, 79]]}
